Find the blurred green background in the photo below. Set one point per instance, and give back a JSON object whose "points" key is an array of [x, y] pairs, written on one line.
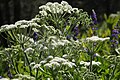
{"points": [[14, 10]]}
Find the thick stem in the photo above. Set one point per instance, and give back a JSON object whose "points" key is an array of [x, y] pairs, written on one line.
{"points": [[91, 58], [12, 62], [14, 67], [27, 60], [36, 74]]}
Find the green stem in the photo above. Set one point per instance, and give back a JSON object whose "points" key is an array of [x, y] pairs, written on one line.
{"points": [[27, 59], [91, 58], [113, 71], [14, 67], [36, 74], [13, 64]]}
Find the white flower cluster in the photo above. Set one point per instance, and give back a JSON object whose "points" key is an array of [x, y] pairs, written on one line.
{"points": [[7, 27], [56, 8], [88, 63], [36, 66], [69, 64], [46, 60], [55, 42], [19, 24], [8, 79], [25, 77], [57, 62], [22, 23], [96, 38]]}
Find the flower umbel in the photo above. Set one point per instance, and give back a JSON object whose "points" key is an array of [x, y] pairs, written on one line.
{"points": [[96, 38]]}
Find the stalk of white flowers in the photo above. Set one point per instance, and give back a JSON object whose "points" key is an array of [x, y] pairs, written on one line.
{"points": [[69, 64], [96, 38], [49, 57], [7, 27], [55, 8], [22, 22], [88, 63], [91, 52], [55, 64], [57, 59]]}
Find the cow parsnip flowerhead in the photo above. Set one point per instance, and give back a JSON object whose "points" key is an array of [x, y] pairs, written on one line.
{"points": [[55, 8], [61, 14], [7, 27], [96, 38]]}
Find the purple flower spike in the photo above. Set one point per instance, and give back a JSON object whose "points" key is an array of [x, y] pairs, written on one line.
{"points": [[115, 32], [114, 35], [114, 41], [94, 17], [114, 38], [76, 30]]}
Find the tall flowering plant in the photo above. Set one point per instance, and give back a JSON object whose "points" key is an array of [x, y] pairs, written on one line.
{"points": [[32, 42]]}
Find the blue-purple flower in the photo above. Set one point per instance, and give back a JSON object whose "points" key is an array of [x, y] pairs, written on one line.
{"points": [[0, 77], [68, 37], [115, 33], [9, 74], [76, 31], [114, 37], [35, 36], [94, 17]]}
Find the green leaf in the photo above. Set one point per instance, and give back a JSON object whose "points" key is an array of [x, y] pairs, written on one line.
{"points": [[67, 27]]}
